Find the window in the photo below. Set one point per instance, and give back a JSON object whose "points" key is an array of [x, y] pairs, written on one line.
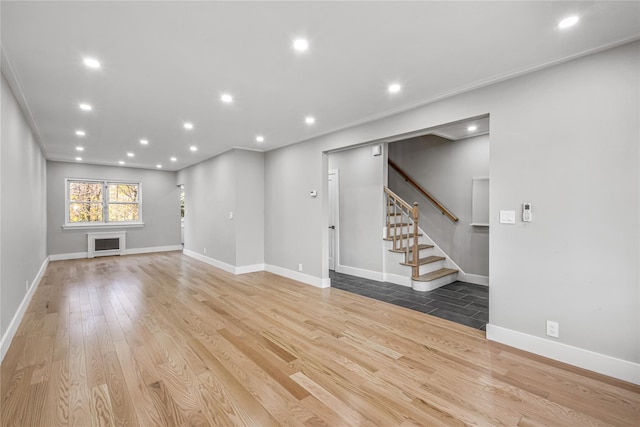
{"points": [[102, 203]]}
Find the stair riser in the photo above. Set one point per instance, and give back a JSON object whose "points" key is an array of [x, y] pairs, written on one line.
{"points": [[434, 284], [422, 254], [432, 266]]}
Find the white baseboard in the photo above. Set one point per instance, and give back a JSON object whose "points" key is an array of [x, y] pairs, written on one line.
{"points": [[476, 279], [5, 342], [62, 257], [211, 261], [244, 269], [586, 359], [396, 279], [300, 277], [295, 275], [360, 272], [132, 251], [152, 249]]}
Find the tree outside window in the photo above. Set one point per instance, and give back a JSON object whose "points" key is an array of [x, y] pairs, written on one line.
{"points": [[102, 202]]}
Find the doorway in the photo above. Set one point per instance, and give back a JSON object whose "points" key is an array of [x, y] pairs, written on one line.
{"points": [[182, 215], [334, 218]]}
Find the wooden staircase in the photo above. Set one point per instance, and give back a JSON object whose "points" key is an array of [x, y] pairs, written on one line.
{"points": [[427, 267]]}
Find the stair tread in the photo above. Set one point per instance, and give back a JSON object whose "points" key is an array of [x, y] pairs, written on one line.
{"points": [[401, 236], [399, 224], [435, 275], [394, 213], [420, 247], [426, 260]]}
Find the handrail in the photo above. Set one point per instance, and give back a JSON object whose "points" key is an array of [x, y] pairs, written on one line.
{"points": [[398, 199], [424, 192]]}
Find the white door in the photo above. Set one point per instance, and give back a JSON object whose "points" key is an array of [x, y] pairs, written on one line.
{"points": [[334, 189]]}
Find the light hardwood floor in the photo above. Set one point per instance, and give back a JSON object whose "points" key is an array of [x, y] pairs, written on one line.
{"points": [[165, 340]]}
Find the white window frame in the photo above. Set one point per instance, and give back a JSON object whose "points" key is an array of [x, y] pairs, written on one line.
{"points": [[105, 223]]}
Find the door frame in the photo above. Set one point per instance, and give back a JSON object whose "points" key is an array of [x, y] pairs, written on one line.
{"points": [[336, 235]]}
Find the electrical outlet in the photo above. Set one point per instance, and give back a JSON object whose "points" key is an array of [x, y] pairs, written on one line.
{"points": [[553, 329], [26, 285], [299, 267], [230, 215], [204, 251]]}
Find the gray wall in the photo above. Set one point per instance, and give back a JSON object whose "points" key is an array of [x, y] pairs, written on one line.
{"points": [[249, 215], [445, 169], [361, 208], [565, 139], [160, 206], [23, 222], [230, 182]]}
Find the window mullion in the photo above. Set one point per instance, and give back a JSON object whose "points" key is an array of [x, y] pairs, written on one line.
{"points": [[105, 202]]}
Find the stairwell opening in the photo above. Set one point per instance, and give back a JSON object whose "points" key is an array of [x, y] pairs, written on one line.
{"points": [[448, 158]]}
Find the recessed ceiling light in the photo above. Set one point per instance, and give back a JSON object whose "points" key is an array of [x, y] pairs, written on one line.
{"points": [[130, 154], [300, 45], [309, 120], [173, 159], [260, 138], [79, 148], [193, 148], [91, 63], [188, 125], [159, 166], [394, 88], [144, 141], [85, 107], [80, 133], [79, 159], [568, 22], [472, 128], [121, 162], [226, 98]]}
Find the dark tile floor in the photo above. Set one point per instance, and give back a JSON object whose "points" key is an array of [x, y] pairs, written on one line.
{"points": [[460, 302]]}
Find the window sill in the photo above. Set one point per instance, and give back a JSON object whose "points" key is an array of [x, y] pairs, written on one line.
{"points": [[102, 226]]}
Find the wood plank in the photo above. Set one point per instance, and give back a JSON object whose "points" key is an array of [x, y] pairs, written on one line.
{"points": [[165, 340]]}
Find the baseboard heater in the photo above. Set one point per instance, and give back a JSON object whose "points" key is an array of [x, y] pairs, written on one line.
{"points": [[106, 244]]}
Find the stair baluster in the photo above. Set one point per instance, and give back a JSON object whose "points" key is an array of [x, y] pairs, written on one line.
{"points": [[408, 242]]}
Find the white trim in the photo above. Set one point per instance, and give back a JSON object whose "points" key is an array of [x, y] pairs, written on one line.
{"points": [[449, 262], [89, 225], [9, 73], [432, 285], [300, 277], [106, 202], [586, 359], [91, 242], [397, 279], [360, 272], [244, 269], [5, 342], [454, 92], [476, 279], [63, 257], [214, 262], [132, 251], [295, 275]]}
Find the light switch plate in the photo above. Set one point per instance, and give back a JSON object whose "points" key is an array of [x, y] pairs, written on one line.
{"points": [[507, 217]]}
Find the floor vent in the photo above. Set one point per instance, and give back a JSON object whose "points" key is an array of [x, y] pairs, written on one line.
{"points": [[105, 244]]}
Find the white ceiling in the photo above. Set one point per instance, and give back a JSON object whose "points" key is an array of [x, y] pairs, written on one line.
{"points": [[164, 63]]}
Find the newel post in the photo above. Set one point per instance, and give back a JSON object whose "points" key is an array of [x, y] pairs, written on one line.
{"points": [[416, 255]]}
